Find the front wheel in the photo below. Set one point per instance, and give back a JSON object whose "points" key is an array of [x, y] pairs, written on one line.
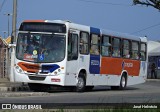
{"points": [[81, 83]]}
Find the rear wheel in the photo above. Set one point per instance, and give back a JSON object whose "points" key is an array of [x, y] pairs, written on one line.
{"points": [[81, 83], [123, 83]]}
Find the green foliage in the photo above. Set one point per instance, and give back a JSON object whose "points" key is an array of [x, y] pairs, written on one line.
{"points": [[152, 3]]}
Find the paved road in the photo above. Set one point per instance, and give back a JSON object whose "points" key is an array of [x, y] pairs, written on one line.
{"points": [[148, 92]]}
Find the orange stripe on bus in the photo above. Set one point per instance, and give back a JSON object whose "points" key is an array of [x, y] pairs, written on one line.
{"points": [[34, 21], [114, 66], [33, 68]]}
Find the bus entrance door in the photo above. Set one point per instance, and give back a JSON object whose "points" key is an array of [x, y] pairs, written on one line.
{"points": [[72, 57]]}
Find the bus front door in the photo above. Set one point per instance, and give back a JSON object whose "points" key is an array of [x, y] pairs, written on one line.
{"points": [[72, 58]]}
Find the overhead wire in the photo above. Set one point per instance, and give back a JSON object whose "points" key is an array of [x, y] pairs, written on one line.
{"points": [[146, 28], [109, 3], [106, 3], [1, 6]]}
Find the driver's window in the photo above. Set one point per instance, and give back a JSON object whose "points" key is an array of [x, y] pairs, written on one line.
{"points": [[73, 47]]}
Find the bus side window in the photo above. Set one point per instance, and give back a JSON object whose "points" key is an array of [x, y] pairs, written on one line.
{"points": [[73, 47], [95, 44], [143, 52], [106, 46], [135, 50], [84, 43], [126, 49], [116, 43]]}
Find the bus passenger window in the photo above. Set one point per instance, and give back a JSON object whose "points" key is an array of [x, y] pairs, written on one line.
{"points": [[106, 46], [135, 51], [95, 44], [84, 45], [94, 50], [116, 47], [126, 49], [143, 52]]}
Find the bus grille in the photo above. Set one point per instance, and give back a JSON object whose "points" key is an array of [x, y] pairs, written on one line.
{"points": [[36, 78]]}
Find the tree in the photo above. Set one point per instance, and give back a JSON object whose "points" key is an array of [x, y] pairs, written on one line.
{"points": [[152, 3]]}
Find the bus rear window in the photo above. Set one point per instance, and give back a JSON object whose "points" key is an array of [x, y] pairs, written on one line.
{"points": [[143, 51]]}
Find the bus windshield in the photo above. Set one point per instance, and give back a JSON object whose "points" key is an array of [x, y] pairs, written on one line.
{"points": [[40, 48]]}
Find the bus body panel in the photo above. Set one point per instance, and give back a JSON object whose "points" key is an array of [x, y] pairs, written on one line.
{"points": [[98, 79], [94, 66], [53, 80], [36, 75], [132, 80], [114, 80], [143, 69], [115, 66], [99, 70]]}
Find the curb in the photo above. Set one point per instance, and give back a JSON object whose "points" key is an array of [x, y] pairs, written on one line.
{"points": [[20, 94], [13, 89], [11, 86], [153, 80]]}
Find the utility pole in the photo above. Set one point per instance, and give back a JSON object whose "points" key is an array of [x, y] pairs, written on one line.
{"points": [[13, 40], [14, 21]]}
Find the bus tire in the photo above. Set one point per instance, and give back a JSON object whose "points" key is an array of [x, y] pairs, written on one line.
{"points": [[123, 82], [81, 83]]}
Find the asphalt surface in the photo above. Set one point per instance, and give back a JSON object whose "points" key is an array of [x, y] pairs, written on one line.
{"points": [[148, 92]]}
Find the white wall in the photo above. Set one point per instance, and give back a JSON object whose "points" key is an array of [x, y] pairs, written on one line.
{"points": [[153, 48]]}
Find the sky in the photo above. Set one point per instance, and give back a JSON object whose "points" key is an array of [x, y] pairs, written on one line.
{"points": [[116, 15]]}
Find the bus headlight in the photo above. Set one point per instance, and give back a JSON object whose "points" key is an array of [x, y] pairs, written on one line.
{"points": [[59, 70], [18, 69], [55, 73]]}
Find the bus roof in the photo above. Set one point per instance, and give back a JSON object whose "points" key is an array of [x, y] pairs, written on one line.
{"points": [[87, 28], [123, 35]]}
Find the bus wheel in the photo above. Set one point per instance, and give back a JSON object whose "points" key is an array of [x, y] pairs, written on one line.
{"points": [[123, 82], [80, 87]]}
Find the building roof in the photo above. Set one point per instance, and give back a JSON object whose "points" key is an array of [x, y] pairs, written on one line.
{"points": [[8, 40], [153, 48], [155, 52], [5, 42]]}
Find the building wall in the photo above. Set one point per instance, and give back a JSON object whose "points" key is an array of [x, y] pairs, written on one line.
{"points": [[3, 59], [153, 57], [151, 60]]}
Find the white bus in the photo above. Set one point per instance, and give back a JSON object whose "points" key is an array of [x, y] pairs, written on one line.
{"points": [[62, 53]]}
